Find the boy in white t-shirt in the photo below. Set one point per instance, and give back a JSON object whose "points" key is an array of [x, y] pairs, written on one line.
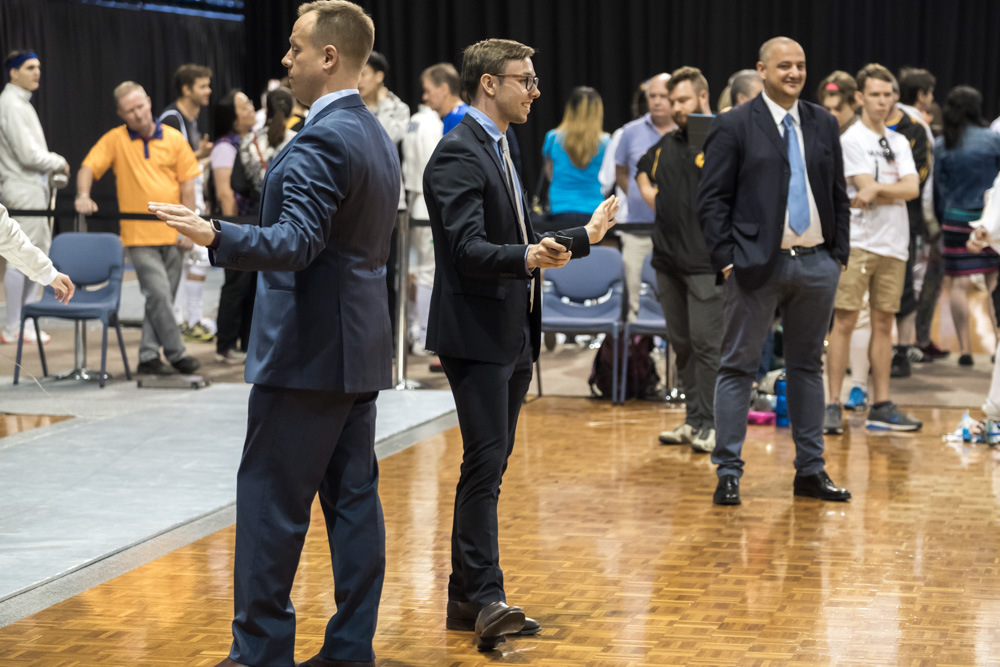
{"points": [[881, 178]]}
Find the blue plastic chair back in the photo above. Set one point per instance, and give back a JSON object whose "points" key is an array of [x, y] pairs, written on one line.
{"points": [[89, 259], [590, 277]]}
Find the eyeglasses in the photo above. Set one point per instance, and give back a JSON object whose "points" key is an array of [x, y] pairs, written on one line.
{"points": [[887, 153], [530, 82]]}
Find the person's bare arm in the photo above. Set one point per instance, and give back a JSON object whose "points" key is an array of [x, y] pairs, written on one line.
{"points": [[646, 189], [621, 177], [224, 190], [870, 190], [84, 182]]}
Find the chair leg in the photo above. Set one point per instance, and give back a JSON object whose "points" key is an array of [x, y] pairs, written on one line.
{"points": [[538, 375], [624, 369], [41, 348], [20, 347], [121, 346], [104, 355]]}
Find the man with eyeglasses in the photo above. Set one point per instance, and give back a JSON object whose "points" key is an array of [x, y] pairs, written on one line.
{"points": [[485, 314], [881, 178]]}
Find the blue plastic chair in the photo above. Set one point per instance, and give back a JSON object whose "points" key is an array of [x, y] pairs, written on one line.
{"points": [[88, 259], [650, 318], [586, 297]]}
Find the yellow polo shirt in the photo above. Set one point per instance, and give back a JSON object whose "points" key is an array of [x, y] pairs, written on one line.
{"points": [[145, 171]]}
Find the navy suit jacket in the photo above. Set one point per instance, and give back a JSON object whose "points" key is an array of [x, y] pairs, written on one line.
{"points": [[743, 191], [327, 210], [480, 300]]}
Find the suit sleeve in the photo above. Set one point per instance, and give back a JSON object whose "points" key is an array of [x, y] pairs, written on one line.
{"points": [[456, 179], [717, 191], [314, 183], [841, 203]]}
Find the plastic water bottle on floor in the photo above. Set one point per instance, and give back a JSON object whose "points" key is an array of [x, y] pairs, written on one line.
{"points": [[781, 402]]}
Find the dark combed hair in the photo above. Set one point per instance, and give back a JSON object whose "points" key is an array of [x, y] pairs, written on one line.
{"points": [[443, 73], [686, 73], [873, 71], [378, 62], [913, 81], [187, 74], [839, 83], [225, 115], [488, 57], [962, 108]]}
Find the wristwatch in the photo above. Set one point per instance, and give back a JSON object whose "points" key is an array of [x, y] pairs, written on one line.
{"points": [[217, 228]]}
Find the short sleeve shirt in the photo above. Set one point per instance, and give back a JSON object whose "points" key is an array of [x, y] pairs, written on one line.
{"points": [[573, 190], [637, 137], [145, 171], [884, 229]]}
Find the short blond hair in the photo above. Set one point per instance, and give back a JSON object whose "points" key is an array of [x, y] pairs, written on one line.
{"points": [[126, 87], [344, 25]]}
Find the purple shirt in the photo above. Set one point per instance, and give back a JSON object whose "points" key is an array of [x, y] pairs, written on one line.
{"points": [[638, 137]]}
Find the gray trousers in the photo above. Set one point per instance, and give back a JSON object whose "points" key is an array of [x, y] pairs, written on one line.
{"points": [[802, 288], [693, 308], [158, 268]]}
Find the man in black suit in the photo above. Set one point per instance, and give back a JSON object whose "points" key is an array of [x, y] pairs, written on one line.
{"points": [[320, 348], [775, 215], [485, 313]]}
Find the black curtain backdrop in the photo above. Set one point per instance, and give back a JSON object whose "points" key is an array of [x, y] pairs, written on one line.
{"points": [[86, 51], [612, 45]]}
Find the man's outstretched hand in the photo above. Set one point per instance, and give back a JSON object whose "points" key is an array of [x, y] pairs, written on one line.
{"points": [[603, 219], [185, 221]]}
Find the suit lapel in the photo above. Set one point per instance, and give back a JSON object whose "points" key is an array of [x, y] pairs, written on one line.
{"points": [[808, 131], [764, 119], [491, 151]]}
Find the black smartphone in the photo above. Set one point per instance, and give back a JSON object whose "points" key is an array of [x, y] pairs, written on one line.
{"points": [[564, 241]]}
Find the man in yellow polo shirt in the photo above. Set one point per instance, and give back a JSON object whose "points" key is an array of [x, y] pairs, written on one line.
{"points": [[152, 162]]}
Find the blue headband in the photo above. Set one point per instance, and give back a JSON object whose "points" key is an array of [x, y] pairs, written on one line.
{"points": [[16, 61]]}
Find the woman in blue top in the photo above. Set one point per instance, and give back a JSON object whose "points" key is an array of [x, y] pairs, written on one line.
{"points": [[573, 153], [966, 160]]}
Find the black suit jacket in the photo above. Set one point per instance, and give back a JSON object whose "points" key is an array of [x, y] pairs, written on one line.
{"points": [[480, 298], [744, 188]]}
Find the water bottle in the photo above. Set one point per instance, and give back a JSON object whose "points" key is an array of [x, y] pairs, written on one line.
{"points": [[781, 402]]}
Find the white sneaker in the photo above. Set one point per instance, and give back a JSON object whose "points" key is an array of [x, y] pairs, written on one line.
{"points": [[682, 435], [704, 441], [9, 337]]}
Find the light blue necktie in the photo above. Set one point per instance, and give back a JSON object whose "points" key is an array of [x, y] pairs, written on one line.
{"points": [[798, 198]]}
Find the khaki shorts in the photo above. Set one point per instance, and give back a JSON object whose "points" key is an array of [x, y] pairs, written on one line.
{"points": [[882, 277]]}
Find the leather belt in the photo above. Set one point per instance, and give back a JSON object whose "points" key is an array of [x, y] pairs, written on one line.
{"points": [[800, 250]]}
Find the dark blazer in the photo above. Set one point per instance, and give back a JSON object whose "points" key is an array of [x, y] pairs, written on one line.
{"points": [[480, 298], [327, 209], [744, 188]]}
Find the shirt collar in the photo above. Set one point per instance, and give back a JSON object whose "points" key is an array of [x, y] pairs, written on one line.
{"points": [[327, 100], [157, 133], [487, 123], [778, 112], [19, 91]]}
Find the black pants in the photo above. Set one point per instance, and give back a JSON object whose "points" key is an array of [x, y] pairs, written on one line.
{"points": [[236, 310], [488, 400]]}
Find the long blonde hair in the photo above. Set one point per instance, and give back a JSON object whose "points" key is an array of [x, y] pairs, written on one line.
{"points": [[582, 125]]}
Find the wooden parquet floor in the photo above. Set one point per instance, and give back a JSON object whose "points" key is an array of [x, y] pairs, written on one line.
{"points": [[11, 424], [612, 542]]}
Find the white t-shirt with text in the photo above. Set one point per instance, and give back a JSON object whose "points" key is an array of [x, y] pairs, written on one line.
{"points": [[883, 229]]}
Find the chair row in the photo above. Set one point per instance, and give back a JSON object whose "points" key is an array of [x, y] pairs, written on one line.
{"points": [[587, 296]]}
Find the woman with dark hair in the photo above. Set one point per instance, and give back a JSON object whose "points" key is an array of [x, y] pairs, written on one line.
{"points": [[234, 117], [573, 154], [257, 148], [966, 161]]}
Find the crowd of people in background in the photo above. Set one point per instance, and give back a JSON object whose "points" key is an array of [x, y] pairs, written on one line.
{"points": [[916, 175]]}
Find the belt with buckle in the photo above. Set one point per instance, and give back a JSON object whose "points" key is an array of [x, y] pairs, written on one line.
{"points": [[800, 250]]}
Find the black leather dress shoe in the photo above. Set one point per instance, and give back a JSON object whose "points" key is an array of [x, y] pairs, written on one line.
{"points": [[462, 616], [229, 662], [494, 621], [319, 661], [728, 491], [819, 486]]}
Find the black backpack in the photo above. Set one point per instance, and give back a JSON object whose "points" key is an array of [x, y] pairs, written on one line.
{"points": [[641, 378]]}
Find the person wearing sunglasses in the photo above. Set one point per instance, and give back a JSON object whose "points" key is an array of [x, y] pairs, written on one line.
{"points": [[881, 178]]}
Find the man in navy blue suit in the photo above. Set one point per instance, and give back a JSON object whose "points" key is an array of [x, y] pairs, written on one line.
{"points": [[775, 215], [320, 348], [485, 315]]}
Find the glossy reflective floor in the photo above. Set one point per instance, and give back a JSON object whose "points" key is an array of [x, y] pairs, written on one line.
{"points": [[612, 542]]}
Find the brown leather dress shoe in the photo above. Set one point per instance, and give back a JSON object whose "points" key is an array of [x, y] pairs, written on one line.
{"points": [[494, 621], [462, 616]]}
